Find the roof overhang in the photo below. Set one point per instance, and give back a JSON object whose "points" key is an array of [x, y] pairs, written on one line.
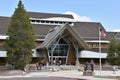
{"points": [[3, 53], [97, 41], [62, 19], [55, 32], [91, 54], [3, 37]]}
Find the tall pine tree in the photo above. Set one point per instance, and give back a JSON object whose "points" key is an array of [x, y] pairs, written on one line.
{"points": [[118, 54], [112, 52], [21, 38]]}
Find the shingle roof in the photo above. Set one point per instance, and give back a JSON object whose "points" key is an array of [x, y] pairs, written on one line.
{"points": [[55, 32], [88, 30], [42, 29], [47, 15], [4, 22], [112, 34], [39, 29]]}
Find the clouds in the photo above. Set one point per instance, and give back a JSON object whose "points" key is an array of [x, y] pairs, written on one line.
{"points": [[86, 19], [78, 17], [116, 30]]}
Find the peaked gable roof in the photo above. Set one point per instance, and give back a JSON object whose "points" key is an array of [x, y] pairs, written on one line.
{"points": [[55, 32]]}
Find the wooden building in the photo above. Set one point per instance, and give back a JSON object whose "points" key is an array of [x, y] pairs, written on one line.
{"points": [[60, 37]]}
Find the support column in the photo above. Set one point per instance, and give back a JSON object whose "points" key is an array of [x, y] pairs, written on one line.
{"points": [[76, 50], [53, 50], [52, 57], [77, 60]]}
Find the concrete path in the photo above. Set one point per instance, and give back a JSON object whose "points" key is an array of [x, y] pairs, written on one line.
{"points": [[68, 74]]}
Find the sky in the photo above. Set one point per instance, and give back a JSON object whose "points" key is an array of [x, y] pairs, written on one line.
{"points": [[107, 12]]}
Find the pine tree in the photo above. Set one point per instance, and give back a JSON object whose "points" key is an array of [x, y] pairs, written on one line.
{"points": [[118, 54], [21, 38], [112, 52]]}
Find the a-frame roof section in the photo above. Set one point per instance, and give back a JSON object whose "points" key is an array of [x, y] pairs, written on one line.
{"points": [[58, 30]]}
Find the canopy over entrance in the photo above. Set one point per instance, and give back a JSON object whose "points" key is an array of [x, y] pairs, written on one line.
{"points": [[57, 31], [62, 42]]}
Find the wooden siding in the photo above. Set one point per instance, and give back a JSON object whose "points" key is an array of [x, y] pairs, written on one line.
{"points": [[71, 56]]}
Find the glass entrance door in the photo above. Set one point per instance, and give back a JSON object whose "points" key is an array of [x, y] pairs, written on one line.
{"points": [[58, 51], [59, 60]]}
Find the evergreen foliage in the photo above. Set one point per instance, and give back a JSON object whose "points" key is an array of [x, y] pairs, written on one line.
{"points": [[21, 38], [112, 52], [118, 54]]}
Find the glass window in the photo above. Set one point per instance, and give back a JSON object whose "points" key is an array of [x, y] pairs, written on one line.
{"points": [[59, 48]]}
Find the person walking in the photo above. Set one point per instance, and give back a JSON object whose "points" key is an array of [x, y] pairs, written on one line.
{"points": [[113, 68], [37, 66], [24, 71]]}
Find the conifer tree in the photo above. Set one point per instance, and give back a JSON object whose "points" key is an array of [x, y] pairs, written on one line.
{"points": [[118, 54], [112, 52], [21, 38]]}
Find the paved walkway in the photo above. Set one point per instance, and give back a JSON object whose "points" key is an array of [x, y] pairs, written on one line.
{"points": [[68, 74]]}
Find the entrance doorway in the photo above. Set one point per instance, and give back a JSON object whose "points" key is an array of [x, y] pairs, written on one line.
{"points": [[59, 60], [58, 51]]}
